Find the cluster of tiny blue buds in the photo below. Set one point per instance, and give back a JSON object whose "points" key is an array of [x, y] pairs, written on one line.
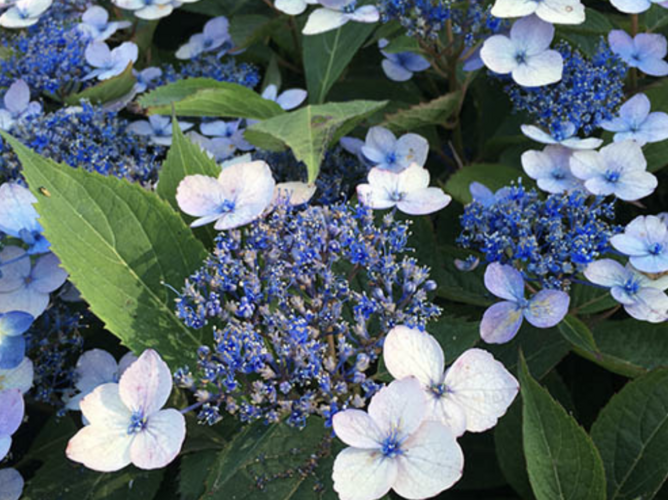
{"points": [[550, 239], [48, 56], [421, 18], [340, 173], [211, 66], [54, 343], [88, 137], [300, 303], [590, 91]]}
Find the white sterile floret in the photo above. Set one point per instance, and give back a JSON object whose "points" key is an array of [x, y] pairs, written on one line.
{"points": [[551, 11]]}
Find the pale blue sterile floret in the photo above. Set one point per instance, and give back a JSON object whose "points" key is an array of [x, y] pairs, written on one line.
{"points": [[383, 150], [18, 217], [107, 62], [13, 325], [502, 321], [157, 128], [146, 78], [643, 298], [17, 105], [646, 51], [645, 241], [214, 36], [24, 286], [96, 25], [637, 123], [551, 169], [525, 54], [401, 66], [336, 13]]}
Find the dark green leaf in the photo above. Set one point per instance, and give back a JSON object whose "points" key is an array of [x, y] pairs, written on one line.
{"points": [[120, 244], [326, 56], [492, 176], [578, 334], [562, 462], [107, 90], [631, 433], [434, 112]]}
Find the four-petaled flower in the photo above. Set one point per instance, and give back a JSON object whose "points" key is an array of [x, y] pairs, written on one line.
{"points": [[385, 151], [637, 123], [400, 66], [17, 105], [551, 169], [394, 446], [502, 321], [407, 190], [109, 63], [471, 395], [568, 139], [239, 195], [645, 241], [127, 422], [646, 51], [643, 298], [24, 13], [157, 128], [18, 217], [214, 36], [619, 169], [526, 54], [95, 23]]}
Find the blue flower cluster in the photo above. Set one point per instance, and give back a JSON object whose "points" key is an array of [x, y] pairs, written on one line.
{"points": [[548, 239], [54, 342], [301, 302], [48, 56], [340, 173], [426, 18], [211, 66], [590, 91], [88, 137]]}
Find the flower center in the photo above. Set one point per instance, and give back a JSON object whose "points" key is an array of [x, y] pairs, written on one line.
{"points": [[226, 207], [438, 390], [612, 176], [631, 286], [558, 175], [655, 249], [137, 423], [391, 158], [397, 196], [350, 8], [521, 57], [391, 446]]}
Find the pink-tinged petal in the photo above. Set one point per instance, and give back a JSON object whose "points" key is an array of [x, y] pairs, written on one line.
{"points": [[12, 409], [48, 275], [431, 462], [126, 362], [200, 196], [400, 407], [14, 274], [413, 178], [650, 305], [146, 384], [294, 193], [11, 484], [102, 448], [501, 322], [160, 442], [104, 408], [607, 272], [547, 308], [408, 352], [482, 387], [356, 428], [363, 474], [504, 281], [424, 201], [442, 409], [498, 54]]}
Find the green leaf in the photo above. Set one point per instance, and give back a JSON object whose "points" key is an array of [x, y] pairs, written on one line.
{"points": [[62, 479], [273, 462], [631, 433], [434, 112], [656, 18], [310, 130], [327, 55], [208, 97], [120, 244], [455, 335], [107, 90], [563, 462], [493, 176], [578, 334], [248, 29]]}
